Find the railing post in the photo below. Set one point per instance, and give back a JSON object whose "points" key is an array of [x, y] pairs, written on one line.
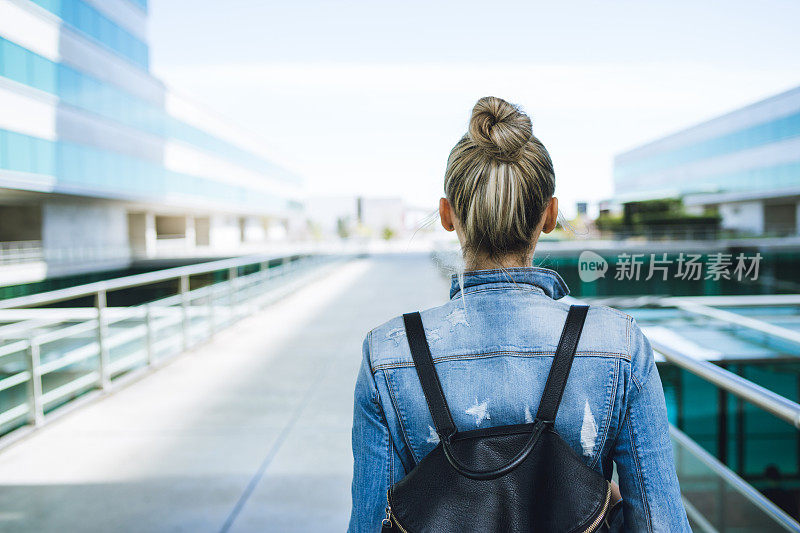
{"points": [[102, 341], [263, 283], [35, 407], [149, 334], [184, 292], [210, 310], [232, 273], [212, 315], [264, 273]]}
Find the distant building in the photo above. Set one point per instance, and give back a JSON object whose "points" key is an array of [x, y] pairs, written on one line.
{"points": [[100, 164], [379, 215], [367, 218], [332, 216], [745, 165]]}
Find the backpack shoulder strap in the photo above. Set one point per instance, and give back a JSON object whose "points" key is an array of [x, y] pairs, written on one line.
{"points": [[431, 386], [562, 362]]}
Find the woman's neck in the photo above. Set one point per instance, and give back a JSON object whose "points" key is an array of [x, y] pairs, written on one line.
{"points": [[506, 261]]}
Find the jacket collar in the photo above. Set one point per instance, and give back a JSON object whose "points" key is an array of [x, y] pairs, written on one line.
{"points": [[545, 280]]}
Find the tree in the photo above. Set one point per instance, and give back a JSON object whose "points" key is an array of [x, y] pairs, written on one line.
{"points": [[343, 227]]}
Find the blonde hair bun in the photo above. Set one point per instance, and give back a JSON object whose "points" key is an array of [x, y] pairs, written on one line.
{"points": [[499, 180], [499, 128]]}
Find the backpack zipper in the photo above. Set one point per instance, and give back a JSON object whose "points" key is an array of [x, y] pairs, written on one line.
{"points": [[602, 516], [390, 518]]}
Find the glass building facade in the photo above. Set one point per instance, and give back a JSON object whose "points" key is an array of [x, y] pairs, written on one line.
{"points": [[743, 163], [86, 19], [82, 117]]}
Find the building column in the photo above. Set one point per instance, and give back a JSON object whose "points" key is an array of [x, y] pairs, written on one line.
{"points": [[150, 234], [142, 234], [191, 233]]}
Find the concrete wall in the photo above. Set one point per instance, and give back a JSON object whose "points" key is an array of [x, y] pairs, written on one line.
{"points": [[225, 231], [142, 233], [202, 231], [87, 228], [743, 216], [254, 229]]}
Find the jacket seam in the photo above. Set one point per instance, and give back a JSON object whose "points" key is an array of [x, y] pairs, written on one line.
{"points": [[628, 330], [614, 310], [610, 411], [650, 366], [369, 347], [534, 289], [379, 406], [376, 398], [410, 364], [389, 457], [552, 274], [628, 338], [636, 381], [391, 462], [640, 479], [623, 413], [401, 417]]}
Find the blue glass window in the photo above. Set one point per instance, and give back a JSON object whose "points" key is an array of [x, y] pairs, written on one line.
{"points": [[3, 151], [14, 61], [87, 20], [772, 131], [19, 152], [102, 172], [42, 73], [43, 157], [141, 3]]}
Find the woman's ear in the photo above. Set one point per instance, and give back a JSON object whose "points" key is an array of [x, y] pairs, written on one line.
{"points": [[550, 216], [446, 214]]}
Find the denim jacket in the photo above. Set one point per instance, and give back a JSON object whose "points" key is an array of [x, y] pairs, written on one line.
{"points": [[492, 346]]}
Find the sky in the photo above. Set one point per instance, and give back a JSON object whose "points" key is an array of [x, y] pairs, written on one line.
{"points": [[368, 97]]}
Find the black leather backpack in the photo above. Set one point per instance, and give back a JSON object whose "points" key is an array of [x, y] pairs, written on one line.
{"points": [[518, 478]]}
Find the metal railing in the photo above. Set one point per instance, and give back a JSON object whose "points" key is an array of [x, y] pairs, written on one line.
{"points": [[736, 319], [49, 357], [740, 387], [736, 504]]}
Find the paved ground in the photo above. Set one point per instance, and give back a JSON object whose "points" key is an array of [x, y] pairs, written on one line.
{"points": [[248, 433]]}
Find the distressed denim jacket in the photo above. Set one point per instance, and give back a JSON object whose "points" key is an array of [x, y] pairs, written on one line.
{"points": [[492, 346]]}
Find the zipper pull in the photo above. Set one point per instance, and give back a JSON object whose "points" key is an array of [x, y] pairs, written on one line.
{"points": [[386, 523]]}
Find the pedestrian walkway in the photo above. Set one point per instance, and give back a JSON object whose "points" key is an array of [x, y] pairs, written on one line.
{"points": [[250, 432]]}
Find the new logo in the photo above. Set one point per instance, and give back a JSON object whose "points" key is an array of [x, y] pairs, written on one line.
{"points": [[591, 266]]}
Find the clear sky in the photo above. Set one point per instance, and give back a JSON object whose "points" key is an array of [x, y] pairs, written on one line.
{"points": [[368, 97]]}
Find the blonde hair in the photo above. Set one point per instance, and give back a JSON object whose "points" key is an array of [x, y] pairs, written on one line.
{"points": [[499, 180]]}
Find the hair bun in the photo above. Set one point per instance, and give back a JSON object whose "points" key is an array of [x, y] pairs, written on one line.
{"points": [[500, 128]]}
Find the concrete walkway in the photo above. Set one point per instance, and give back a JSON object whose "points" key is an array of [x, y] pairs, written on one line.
{"points": [[248, 433]]}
